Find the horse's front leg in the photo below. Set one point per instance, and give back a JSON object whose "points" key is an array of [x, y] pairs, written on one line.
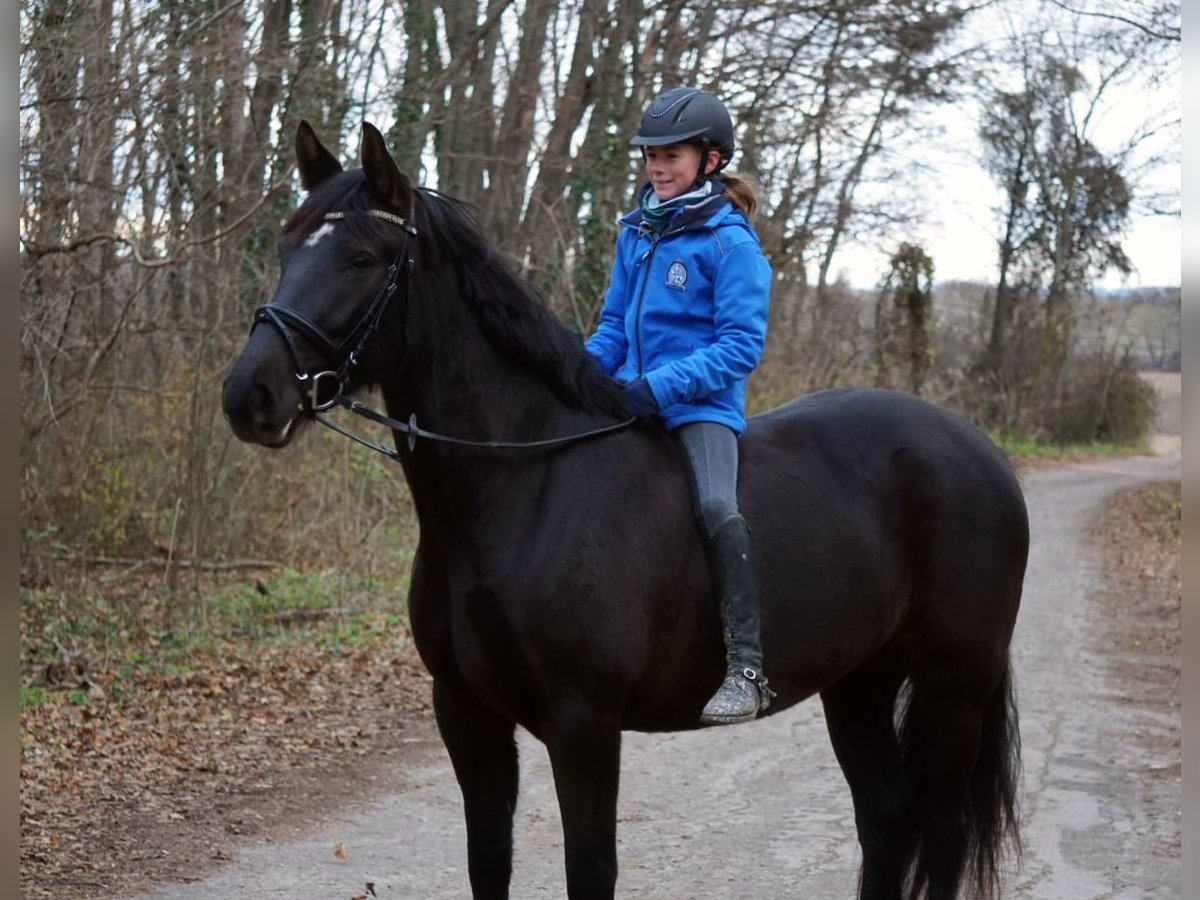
{"points": [[585, 754], [484, 756]]}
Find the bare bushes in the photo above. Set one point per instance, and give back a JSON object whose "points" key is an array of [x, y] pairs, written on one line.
{"points": [[1105, 402], [828, 346], [1095, 395], [126, 454]]}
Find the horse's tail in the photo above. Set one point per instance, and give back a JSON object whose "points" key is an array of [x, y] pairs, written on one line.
{"points": [[990, 814]]}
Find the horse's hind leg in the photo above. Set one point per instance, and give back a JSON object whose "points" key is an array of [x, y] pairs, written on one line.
{"points": [[585, 753], [859, 714], [484, 756]]}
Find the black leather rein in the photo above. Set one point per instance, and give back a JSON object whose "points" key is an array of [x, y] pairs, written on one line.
{"points": [[315, 399]]}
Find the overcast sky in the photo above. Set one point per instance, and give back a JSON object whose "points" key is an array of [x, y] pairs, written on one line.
{"points": [[960, 225]]}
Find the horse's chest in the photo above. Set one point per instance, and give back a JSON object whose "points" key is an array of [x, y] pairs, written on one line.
{"points": [[481, 642]]}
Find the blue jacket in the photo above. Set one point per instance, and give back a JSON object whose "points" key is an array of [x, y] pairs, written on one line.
{"points": [[687, 309]]}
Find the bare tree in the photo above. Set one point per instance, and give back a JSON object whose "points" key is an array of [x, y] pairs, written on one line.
{"points": [[157, 164], [1067, 203], [904, 348]]}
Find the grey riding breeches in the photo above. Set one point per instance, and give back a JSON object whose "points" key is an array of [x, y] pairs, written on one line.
{"points": [[711, 450]]}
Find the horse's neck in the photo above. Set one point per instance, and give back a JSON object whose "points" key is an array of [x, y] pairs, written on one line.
{"points": [[467, 389], [484, 396]]}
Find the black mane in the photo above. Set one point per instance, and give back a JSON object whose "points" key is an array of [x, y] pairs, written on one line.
{"points": [[512, 315]]}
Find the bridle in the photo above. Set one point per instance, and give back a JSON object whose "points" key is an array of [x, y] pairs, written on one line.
{"points": [[286, 320], [316, 399]]}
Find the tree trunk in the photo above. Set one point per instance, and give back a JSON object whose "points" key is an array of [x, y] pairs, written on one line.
{"points": [[1005, 305], [513, 138]]}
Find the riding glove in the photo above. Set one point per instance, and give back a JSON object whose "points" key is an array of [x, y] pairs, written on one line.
{"points": [[640, 399]]}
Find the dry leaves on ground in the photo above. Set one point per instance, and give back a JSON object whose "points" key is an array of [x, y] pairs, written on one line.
{"points": [[1141, 601], [115, 795], [1141, 531]]}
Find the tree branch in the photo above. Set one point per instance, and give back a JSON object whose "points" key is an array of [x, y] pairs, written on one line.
{"points": [[37, 251], [208, 565], [1174, 34]]}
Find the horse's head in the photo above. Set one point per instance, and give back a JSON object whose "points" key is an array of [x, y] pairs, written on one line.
{"points": [[342, 259]]}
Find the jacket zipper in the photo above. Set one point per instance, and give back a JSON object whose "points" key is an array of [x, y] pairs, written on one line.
{"points": [[647, 260]]}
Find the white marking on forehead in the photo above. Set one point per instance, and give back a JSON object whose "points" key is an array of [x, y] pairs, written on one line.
{"points": [[317, 236]]}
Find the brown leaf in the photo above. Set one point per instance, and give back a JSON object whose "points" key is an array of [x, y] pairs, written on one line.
{"points": [[340, 851]]}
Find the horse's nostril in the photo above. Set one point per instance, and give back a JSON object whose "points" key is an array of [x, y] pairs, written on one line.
{"points": [[261, 405], [259, 396], [251, 408]]}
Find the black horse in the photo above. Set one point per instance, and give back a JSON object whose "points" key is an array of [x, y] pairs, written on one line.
{"points": [[560, 584]]}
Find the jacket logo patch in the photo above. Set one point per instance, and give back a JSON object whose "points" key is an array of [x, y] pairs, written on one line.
{"points": [[677, 276]]}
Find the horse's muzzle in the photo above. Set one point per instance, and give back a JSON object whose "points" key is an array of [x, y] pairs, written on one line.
{"points": [[261, 406]]}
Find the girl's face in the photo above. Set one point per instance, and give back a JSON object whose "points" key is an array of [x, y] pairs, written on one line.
{"points": [[672, 168]]}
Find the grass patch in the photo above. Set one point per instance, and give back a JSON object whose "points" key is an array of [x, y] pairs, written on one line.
{"points": [[33, 696], [1026, 450], [286, 597], [79, 629]]}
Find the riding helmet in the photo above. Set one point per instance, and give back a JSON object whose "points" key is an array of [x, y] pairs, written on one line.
{"points": [[687, 115]]}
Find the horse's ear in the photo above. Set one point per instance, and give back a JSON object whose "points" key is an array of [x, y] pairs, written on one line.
{"points": [[382, 171], [315, 162]]}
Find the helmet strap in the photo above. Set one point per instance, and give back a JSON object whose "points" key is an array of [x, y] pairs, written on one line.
{"points": [[702, 174], [705, 148]]}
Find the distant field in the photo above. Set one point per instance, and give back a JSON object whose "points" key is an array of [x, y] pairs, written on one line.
{"points": [[1146, 323]]}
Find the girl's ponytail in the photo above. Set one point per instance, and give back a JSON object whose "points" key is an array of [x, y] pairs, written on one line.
{"points": [[741, 191]]}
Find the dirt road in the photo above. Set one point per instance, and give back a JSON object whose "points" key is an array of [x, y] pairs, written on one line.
{"points": [[1101, 798]]}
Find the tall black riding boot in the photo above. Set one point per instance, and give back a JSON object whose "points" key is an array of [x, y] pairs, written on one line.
{"points": [[744, 692]]}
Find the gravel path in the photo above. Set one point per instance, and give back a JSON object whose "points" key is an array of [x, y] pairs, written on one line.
{"points": [[1101, 807]]}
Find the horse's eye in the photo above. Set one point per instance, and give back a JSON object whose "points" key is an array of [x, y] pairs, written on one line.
{"points": [[361, 261]]}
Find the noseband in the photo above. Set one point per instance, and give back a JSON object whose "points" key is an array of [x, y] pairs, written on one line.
{"points": [[286, 321]]}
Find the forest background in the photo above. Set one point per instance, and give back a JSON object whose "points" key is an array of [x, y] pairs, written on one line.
{"points": [[157, 167]]}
